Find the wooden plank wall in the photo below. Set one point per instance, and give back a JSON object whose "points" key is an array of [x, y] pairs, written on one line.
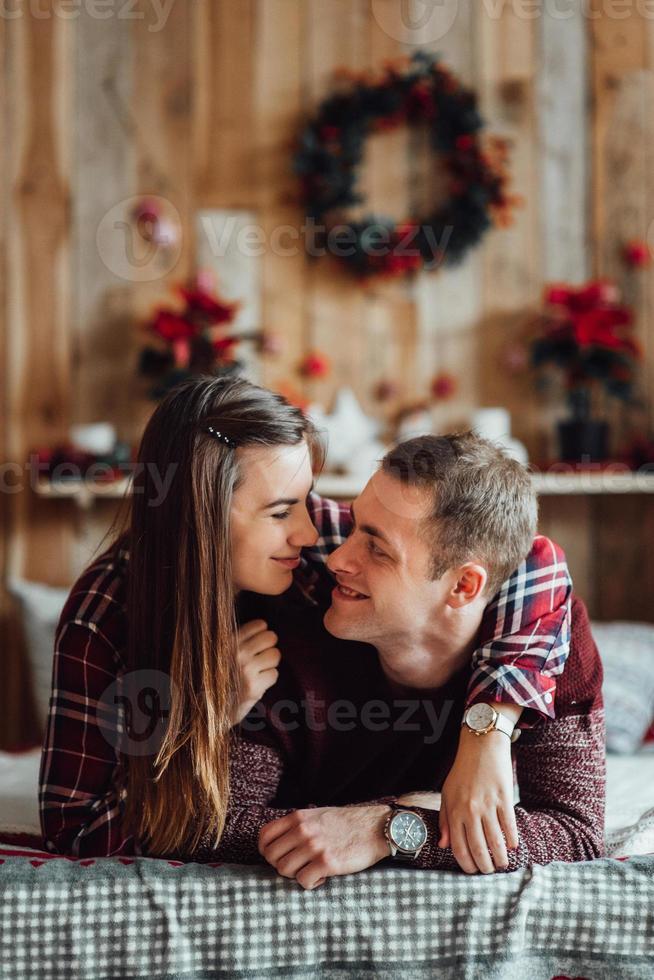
{"points": [[202, 111]]}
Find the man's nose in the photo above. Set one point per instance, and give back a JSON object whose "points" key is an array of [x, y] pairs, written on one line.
{"points": [[342, 559]]}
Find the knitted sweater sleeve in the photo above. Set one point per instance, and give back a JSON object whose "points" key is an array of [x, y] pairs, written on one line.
{"points": [[561, 771], [255, 771]]}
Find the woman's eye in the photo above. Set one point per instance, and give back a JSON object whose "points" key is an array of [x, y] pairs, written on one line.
{"points": [[282, 515], [375, 550]]}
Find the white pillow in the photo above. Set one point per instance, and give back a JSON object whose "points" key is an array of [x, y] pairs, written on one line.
{"points": [[627, 653], [19, 792], [630, 841], [41, 607]]}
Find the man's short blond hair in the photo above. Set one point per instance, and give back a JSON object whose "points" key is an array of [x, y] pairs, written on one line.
{"points": [[484, 506]]}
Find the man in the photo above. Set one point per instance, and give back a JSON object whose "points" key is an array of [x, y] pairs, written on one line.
{"points": [[436, 531]]}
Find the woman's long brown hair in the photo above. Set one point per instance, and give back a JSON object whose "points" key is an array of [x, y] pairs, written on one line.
{"points": [[181, 603]]}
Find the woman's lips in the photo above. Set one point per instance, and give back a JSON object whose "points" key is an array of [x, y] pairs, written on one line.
{"points": [[288, 562], [342, 593]]}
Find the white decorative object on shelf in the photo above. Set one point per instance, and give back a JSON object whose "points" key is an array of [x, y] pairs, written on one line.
{"points": [[98, 438], [352, 436], [495, 424]]}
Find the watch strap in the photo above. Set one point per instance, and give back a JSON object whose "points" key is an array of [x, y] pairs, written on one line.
{"points": [[503, 724]]}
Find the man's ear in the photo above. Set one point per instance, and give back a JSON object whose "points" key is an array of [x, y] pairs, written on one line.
{"points": [[470, 583]]}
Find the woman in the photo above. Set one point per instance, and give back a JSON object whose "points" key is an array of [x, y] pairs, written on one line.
{"points": [[221, 505]]}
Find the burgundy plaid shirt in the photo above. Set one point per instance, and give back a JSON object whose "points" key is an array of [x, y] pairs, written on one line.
{"points": [[524, 641]]}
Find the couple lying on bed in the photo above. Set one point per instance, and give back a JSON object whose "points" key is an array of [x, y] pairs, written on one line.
{"points": [[253, 673]]}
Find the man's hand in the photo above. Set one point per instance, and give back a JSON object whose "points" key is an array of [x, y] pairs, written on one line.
{"points": [[258, 659], [312, 845], [477, 803]]}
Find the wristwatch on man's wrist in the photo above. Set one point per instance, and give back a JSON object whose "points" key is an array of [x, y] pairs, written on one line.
{"points": [[406, 833], [482, 718]]}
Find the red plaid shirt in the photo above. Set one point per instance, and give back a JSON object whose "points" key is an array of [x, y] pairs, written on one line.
{"points": [[524, 641]]}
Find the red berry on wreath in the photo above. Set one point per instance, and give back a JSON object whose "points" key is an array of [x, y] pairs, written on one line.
{"points": [[464, 142], [330, 133]]}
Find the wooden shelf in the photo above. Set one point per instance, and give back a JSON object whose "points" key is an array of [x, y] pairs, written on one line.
{"points": [[348, 487], [546, 484], [594, 483], [82, 493]]}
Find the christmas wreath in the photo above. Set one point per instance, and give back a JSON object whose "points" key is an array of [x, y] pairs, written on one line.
{"points": [[330, 152]]}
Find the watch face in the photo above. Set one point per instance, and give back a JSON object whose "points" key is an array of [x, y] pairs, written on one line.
{"points": [[407, 831], [480, 716]]}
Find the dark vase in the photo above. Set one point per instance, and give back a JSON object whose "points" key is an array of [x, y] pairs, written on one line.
{"points": [[581, 438], [583, 442]]}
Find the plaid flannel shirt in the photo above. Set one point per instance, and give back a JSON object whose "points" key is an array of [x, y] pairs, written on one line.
{"points": [[525, 632], [524, 641]]}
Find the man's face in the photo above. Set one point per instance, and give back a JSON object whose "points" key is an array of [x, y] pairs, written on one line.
{"points": [[384, 592]]}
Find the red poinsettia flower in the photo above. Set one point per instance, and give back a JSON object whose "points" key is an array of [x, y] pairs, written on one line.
{"points": [[557, 295], [595, 293], [172, 326], [223, 346], [600, 326], [587, 332], [181, 353], [202, 303], [581, 298]]}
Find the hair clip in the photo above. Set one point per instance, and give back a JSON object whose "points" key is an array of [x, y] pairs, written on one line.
{"points": [[221, 437]]}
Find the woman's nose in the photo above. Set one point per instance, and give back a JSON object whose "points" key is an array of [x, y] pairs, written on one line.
{"points": [[305, 535]]}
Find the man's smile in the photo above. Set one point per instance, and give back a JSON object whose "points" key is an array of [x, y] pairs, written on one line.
{"points": [[342, 592]]}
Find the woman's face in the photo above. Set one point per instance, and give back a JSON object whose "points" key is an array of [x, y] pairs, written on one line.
{"points": [[269, 519]]}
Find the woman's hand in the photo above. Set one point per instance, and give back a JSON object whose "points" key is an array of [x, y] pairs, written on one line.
{"points": [[477, 803], [258, 658]]}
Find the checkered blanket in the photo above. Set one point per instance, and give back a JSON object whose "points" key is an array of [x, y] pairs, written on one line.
{"points": [[122, 917]]}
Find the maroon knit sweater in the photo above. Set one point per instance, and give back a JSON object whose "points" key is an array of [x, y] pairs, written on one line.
{"points": [[333, 734]]}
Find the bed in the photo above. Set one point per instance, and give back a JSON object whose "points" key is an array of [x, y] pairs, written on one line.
{"points": [[63, 918]]}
